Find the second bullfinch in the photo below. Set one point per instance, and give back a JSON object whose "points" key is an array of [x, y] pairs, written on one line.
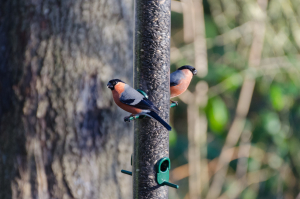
{"points": [[180, 80], [133, 102]]}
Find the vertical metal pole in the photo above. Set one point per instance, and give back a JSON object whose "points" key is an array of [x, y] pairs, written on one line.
{"points": [[152, 75]]}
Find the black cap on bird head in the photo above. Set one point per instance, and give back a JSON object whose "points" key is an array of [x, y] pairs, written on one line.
{"points": [[191, 68], [111, 84]]}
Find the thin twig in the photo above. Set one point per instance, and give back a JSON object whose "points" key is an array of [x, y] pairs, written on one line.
{"points": [[253, 177], [188, 27], [197, 122], [256, 153]]}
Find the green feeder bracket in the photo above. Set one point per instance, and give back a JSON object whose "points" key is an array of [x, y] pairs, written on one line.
{"points": [[128, 119], [127, 172], [173, 105], [143, 93], [163, 167]]}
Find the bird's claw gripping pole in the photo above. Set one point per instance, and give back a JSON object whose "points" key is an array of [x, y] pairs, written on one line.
{"points": [[134, 117]]}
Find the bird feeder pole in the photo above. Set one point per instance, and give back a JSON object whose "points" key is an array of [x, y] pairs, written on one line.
{"points": [[152, 75]]}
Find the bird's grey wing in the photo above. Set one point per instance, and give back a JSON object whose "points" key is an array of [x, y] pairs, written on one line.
{"points": [[132, 97], [176, 77]]}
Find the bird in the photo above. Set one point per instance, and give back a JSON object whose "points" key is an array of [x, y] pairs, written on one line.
{"points": [[132, 101], [180, 80]]}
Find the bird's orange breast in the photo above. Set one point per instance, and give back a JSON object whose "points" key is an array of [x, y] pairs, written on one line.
{"points": [[117, 92]]}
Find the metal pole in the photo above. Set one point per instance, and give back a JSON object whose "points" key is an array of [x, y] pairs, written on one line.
{"points": [[152, 75]]}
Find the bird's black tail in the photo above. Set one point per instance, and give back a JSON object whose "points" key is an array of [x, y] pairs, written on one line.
{"points": [[155, 116]]}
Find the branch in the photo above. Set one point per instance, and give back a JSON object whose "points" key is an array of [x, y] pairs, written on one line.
{"points": [[268, 66]]}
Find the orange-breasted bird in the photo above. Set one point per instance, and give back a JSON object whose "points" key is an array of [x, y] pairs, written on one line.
{"points": [[180, 80], [130, 100]]}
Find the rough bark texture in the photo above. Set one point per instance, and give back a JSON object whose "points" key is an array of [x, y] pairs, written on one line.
{"points": [[152, 75], [61, 135]]}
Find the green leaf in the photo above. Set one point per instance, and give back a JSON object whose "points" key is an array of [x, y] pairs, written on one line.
{"points": [[277, 98], [217, 115], [234, 82], [172, 137]]}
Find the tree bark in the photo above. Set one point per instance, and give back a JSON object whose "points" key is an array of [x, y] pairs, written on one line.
{"points": [[61, 135]]}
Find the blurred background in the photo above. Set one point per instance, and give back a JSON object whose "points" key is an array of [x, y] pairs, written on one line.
{"points": [[236, 129], [236, 132]]}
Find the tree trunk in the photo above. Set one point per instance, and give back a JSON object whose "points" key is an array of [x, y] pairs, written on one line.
{"points": [[61, 135]]}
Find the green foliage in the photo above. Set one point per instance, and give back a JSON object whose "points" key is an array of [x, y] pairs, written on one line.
{"points": [[249, 194], [274, 113], [217, 115], [271, 123], [172, 137], [211, 30]]}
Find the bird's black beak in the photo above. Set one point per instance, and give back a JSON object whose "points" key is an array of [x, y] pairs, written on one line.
{"points": [[110, 86], [195, 72]]}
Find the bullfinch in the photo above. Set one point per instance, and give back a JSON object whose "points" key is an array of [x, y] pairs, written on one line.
{"points": [[130, 100], [180, 80]]}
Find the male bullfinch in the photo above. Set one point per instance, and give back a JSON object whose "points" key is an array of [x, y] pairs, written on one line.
{"points": [[130, 100], [180, 80]]}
